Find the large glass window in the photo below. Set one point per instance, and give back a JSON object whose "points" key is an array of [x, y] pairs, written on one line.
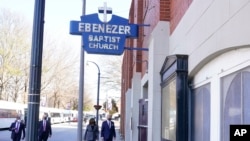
{"points": [[235, 101], [201, 113], [169, 111], [174, 104]]}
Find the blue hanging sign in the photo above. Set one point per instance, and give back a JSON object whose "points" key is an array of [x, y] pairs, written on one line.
{"points": [[103, 37]]}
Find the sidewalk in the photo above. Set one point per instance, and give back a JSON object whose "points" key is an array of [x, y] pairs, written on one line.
{"points": [[118, 136]]}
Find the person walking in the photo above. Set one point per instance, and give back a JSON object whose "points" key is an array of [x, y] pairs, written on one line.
{"points": [[47, 117], [108, 129], [17, 128], [44, 129], [92, 131]]}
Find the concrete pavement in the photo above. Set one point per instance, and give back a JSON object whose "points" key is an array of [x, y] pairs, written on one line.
{"points": [[118, 136]]}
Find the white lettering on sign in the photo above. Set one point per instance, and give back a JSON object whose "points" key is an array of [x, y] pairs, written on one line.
{"points": [[103, 46], [104, 28], [110, 39]]}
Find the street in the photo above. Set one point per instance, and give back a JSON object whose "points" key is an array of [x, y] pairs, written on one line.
{"points": [[60, 132]]}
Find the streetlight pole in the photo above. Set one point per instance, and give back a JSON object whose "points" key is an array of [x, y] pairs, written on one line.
{"points": [[81, 83], [97, 106]]}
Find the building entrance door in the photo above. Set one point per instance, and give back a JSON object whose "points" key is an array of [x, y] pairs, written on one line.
{"points": [[143, 120]]}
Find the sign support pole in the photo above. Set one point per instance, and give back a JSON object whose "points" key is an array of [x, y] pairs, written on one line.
{"points": [[81, 85]]}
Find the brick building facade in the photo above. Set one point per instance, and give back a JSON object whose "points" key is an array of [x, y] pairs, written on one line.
{"points": [[184, 88]]}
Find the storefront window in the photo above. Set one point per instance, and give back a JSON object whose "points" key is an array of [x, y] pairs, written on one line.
{"points": [[201, 113], [174, 104], [235, 101], [169, 111]]}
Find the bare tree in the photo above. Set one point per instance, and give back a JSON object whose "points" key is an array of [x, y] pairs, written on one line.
{"points": [[111, 72], [58, 73], [61, 75], [60, 66], [14, 44], [111, 81], [71, 98]]}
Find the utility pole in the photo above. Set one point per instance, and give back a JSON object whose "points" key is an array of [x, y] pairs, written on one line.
{"points": [[35, 71]]}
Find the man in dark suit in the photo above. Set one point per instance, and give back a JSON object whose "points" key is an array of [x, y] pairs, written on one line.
{"points": [[44, 130], [17, 128], [47, 117], [108, 129]]}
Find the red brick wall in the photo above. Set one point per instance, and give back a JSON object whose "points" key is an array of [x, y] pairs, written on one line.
{"points": [[138, 16], [165, 10], [148, 12], [178, 9], [127, 73]]}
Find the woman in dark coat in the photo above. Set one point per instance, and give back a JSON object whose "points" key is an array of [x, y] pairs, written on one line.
{"points": [[92, 131]]}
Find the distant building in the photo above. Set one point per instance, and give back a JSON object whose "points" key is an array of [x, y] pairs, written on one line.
{"points": [[193, 82]]}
